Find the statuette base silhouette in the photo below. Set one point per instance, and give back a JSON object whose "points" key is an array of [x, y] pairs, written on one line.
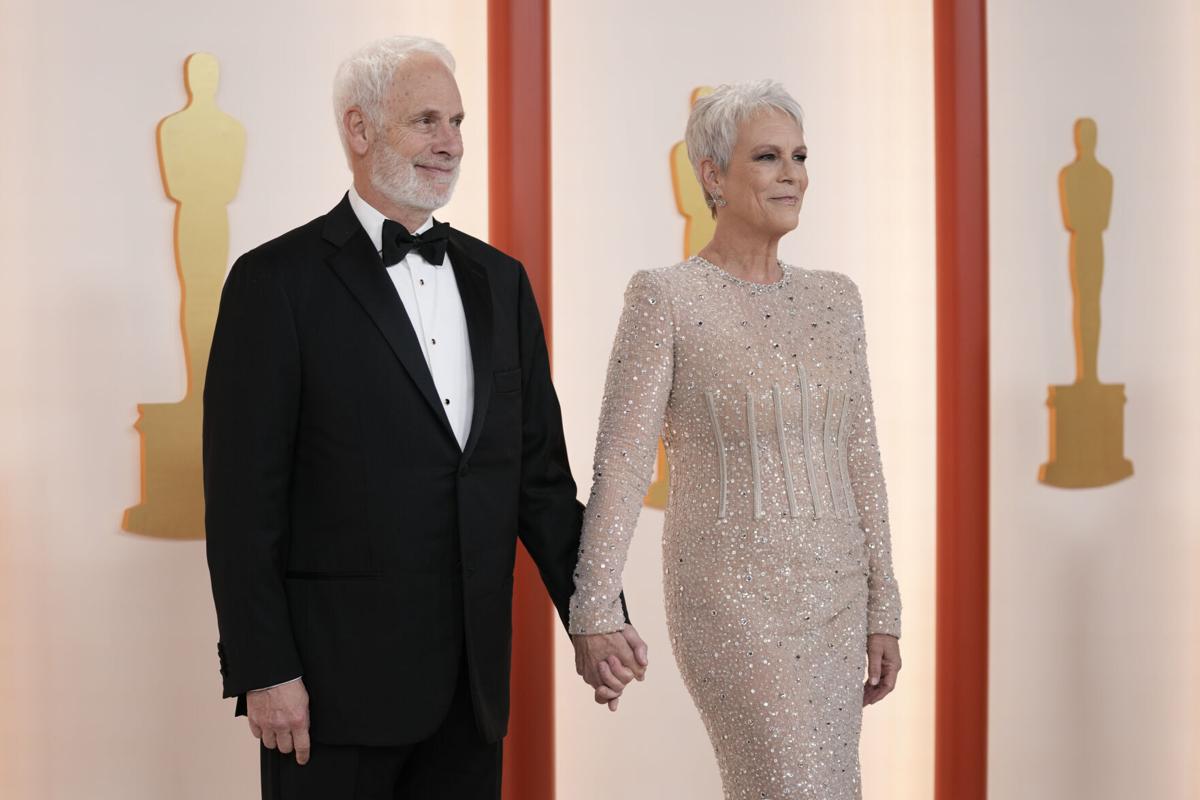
{"points": [[172, 504], [1087, 436]]}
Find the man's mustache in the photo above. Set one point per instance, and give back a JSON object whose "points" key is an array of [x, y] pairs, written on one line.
{"points": [[448, 166]]}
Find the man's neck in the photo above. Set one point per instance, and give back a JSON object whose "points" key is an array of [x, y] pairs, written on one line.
{"points": [[411, 218]]}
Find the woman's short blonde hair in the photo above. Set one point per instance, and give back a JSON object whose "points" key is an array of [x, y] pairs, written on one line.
{"points": [[713, 125]]}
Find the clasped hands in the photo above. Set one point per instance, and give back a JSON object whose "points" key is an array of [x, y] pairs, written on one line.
{"points": [[608, 662]]}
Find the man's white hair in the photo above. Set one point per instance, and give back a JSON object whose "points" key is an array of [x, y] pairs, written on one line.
{"points": [[365, 78], [713, 124]]}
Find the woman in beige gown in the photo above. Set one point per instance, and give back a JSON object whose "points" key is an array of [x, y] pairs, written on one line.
{"points": [[776, 552]]}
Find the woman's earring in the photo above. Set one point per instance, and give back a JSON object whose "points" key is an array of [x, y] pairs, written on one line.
{"points": [[719, 201]]}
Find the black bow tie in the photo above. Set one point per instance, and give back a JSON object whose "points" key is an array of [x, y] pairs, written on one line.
{"points": [[398, 242]]}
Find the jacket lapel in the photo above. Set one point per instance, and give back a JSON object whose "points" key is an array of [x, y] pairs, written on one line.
{"points": [[358, 266], [476, 293]]}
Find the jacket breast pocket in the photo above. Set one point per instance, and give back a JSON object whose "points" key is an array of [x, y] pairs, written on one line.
{"points": [[507, 380]]}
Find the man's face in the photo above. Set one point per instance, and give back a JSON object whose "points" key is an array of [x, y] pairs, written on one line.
{"points": [[417, 147]]}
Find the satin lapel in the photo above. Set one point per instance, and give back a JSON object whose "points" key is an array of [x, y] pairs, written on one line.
{"points": [[358, 266], [476, 293]]}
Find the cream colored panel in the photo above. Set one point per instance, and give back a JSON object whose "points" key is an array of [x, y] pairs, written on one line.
{"points": [[623, 77], [108, 667], [1095, 633]]}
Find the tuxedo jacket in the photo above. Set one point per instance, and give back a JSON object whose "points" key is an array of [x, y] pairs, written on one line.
{"points": [[350, 539]]}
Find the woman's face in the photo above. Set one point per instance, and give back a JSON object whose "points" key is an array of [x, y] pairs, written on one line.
{"points": [[765, 182]]}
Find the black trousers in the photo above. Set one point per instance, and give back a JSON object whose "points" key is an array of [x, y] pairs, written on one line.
{"points": [[455, 763]]}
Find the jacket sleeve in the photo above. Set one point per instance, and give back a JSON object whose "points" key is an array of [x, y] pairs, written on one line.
{"points": [[251, 406], [550, 515]]}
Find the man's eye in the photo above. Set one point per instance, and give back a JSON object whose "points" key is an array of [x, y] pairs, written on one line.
{"points": [[801, 157]]}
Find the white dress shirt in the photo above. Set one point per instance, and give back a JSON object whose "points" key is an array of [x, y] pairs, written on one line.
{"points": [[430, 296]]}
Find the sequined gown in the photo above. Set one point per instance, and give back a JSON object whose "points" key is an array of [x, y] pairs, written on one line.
{"points": [[776, 551]]}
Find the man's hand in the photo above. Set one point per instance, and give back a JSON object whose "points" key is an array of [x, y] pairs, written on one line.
{"points": [[883, 663], [279, 716], [610, 661]]}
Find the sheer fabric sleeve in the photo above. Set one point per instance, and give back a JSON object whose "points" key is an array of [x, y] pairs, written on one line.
{"points": [[631, 420], [870, 490]]}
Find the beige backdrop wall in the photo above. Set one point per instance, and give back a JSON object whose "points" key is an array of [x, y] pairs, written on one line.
{"points": [[623, 72], [1095, 632], [108, 670]]}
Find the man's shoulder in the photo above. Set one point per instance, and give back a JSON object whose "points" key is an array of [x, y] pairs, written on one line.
{"points": [[299, 245], [484, 253]]}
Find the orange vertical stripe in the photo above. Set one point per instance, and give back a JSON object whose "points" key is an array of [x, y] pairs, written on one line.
{"points": [[960, 99], [519, 223]]}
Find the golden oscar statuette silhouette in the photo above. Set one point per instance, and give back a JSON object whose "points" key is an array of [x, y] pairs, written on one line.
{"points": [[201, 150], [1087, 418], [697, 232]]}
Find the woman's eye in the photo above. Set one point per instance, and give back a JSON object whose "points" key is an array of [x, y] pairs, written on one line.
{"points": [[801, 157], [767, 157]]}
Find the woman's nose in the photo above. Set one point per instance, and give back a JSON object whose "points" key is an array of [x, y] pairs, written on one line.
{"points": [[791, 172]]}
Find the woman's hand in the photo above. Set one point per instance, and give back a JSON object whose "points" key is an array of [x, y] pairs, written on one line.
{"points": [[883, 664], [609, 661]]}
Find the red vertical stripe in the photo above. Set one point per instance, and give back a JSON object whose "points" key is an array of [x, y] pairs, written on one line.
{"points": [[519, 223], [960, 98]]}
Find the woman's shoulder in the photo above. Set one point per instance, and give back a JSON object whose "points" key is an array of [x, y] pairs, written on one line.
{"points": [[828, 284], [669, 272], [666, 280]]}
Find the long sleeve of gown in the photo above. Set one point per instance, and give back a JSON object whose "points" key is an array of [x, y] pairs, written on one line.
{"points": [[631, 420], [870, 492]]}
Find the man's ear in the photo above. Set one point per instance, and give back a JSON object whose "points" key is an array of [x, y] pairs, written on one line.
{"points": [[357, 133]]}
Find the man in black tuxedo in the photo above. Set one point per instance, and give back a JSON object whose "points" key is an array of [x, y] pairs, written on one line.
{"points": [[379, 427]]}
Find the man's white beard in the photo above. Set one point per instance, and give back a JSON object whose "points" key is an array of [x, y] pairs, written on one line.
{"points": [[396, 179]]}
